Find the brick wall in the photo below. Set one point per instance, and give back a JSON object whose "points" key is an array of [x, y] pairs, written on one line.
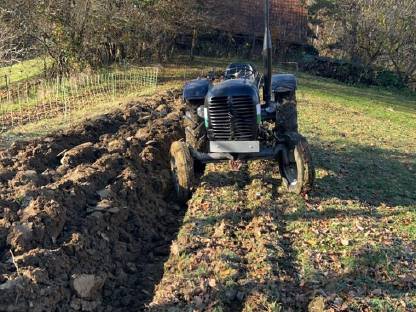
{"points": [[288, 18]]}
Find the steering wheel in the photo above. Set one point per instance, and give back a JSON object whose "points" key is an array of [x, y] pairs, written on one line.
{"points": [[239, 72]]}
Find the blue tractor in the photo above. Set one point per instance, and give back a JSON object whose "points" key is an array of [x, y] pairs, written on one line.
{"points": [[229, 120]]}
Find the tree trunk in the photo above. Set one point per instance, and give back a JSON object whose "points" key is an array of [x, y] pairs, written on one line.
{"points": [[194, 41], [253, 46]]}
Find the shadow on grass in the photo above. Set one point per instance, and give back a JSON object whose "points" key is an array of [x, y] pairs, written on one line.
{"points": [[355, 182], [370, 175], [377, 275]]}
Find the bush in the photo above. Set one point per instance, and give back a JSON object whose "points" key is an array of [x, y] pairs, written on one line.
{"points": [[388, 78], [348, 72]]}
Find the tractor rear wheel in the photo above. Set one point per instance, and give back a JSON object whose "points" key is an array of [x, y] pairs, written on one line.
{"points": [[298, 174], [194, 128], [195, 135], [182, 166]]}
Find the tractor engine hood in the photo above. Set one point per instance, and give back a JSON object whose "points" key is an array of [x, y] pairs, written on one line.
{"points": [[234, 87], [232, 111]]}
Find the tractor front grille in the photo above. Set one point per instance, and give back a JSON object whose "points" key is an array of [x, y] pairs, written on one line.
{"points": [[232, 118]]}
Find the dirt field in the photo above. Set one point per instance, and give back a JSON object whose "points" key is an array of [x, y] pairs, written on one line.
{"points": [[86, 220]]}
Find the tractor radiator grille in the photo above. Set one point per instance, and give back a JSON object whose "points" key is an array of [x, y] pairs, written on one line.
{"points": [[232, 118]]}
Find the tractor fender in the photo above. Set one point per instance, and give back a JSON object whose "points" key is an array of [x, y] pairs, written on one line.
{"points": [[284, 83], [196, 90]]}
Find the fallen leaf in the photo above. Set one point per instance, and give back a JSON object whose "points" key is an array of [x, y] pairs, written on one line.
{"points": [[317, 305], [212, 283], [345, 242]]}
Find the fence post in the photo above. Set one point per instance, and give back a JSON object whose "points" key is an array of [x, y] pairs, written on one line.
{"points": [[27, 100], [8, 88], [64, 99], [18, 100], [7, 85], [157, 77], [114, 87]]}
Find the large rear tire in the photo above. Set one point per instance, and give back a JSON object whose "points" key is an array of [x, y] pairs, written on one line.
{"points": [[182, 166], [299, 174], [194, 129], [195, 135]]}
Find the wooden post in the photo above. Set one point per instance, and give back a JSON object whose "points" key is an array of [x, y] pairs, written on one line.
{"points": [[8, 88], [114, 87], [18, 99], [27, 100]]}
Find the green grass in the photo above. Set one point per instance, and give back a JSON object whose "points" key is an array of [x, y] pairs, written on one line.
{"points": [[352, 238], [22, 71], [356, 230]]}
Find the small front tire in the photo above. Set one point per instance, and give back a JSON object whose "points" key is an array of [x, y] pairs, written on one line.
{"points": [[298, 174], [182, 166]]}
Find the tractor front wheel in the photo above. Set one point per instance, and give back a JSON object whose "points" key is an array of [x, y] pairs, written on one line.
{"points": [[298, 172], [182, 166]]}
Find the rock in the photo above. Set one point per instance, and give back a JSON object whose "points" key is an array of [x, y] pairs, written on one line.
{"points": [[104, 194], [317, 305], [84, 153], [87, 285], [143, 134]]}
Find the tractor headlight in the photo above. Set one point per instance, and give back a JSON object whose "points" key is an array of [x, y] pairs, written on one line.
{"points": [[201, 112]]}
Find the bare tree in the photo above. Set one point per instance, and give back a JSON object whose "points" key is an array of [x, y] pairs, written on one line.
{"points": [[377, 33], [10, 52]]}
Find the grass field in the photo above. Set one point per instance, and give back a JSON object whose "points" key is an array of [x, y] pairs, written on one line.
{"points": [[348, 246], [356, 234], [25, 70]]}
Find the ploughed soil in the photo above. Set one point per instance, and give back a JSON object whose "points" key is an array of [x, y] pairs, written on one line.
{"points": [[86, 216]]}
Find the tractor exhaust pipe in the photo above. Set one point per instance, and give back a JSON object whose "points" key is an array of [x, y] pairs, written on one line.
{"points": [[267, 55]]}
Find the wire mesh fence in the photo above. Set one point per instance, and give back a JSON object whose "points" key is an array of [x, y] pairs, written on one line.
{"points": [[28, 102]]}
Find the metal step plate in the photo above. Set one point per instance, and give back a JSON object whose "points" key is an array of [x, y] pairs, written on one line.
{"points": [[238, 147]]}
